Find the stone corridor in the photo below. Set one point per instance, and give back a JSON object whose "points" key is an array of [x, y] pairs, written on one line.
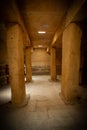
{"points": [[45, 110]]}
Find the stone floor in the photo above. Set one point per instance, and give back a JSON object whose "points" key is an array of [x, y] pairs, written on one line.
{"points": [[45, 109]]}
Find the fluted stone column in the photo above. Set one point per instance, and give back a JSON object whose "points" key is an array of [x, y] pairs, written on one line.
{"points": [[16, 65], [71, 62], [53, 64], [28, 64]]}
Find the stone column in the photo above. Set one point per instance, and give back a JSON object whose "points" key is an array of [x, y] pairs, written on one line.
{"points": [[71, 62], [53, 64], [16, 65], [28, 64]]}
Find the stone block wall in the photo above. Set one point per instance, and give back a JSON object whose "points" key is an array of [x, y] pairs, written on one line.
{"points": [[41, 70], [40, 62]]}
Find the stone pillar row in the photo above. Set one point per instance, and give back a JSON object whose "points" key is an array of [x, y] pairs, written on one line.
{"points": [[70, 63]]}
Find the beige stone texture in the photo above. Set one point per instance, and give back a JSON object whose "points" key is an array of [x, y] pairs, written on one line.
{"points": [[70, 62], [53, 64], [16, 64], [40, 57], [28, 64]]}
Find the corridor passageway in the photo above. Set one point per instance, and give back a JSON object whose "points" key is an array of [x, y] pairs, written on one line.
{"points": [[44, 42]]}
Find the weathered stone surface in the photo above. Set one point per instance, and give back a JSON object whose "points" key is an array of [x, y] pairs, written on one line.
{"points": [[28, 64], [16, 64], [53, 64], [71, 61]]}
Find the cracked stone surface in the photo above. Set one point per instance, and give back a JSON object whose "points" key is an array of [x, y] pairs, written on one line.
{"points": [[45, 109]]}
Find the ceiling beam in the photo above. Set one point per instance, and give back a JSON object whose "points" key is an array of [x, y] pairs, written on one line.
{"points": [[71, 13], [9, 13], [20, 20], [73, 10]]}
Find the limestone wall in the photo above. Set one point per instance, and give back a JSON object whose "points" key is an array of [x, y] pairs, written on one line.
{"points": [[40, 61]]}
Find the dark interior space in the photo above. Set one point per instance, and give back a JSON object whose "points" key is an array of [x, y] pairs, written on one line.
{"points": [[43, 64]]}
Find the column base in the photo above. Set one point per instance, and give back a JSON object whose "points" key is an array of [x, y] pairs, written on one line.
{"points": [[29, 81], [53, 80], [19, 105], [76, 100]]}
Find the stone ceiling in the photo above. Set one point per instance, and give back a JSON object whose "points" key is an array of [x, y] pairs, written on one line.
{"points": [[43, 15]]}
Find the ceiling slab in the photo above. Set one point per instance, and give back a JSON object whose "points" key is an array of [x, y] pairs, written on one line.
{"points": [[42, 15]]}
